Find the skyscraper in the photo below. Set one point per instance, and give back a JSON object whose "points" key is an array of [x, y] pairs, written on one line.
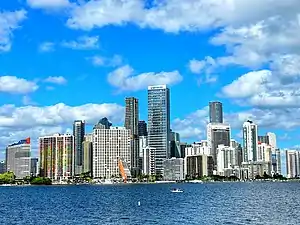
{"points": [[249, 141], [132, 124], [175, 145], [143, 128], [78, 133], [159, 123], [215, 112], [292, 163], [217, 134]]}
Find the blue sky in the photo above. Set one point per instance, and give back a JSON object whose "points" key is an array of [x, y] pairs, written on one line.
{"points": [[61, 61]]}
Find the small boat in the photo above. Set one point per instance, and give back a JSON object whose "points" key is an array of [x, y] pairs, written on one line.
{"points": [[176, 190]]}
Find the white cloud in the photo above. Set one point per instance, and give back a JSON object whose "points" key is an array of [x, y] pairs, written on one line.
{"points": [[56, 80], [15, 85], [204, 67], [9, 21], [124, 79], [46, 47], [98, 60], [48, 4], [82, 43]]}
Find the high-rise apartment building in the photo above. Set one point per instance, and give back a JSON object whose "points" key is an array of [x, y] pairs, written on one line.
{"points": [[215, 112], [78, 133], [18, 158], [132, 124], [292, 163], [143, 128], [56, 156], [2, 167], [110, 147], [249, 141], [159, 123], [34, 166], [272, 140], [217, 134]]}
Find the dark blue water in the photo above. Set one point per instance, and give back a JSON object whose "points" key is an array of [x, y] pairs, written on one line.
{"points": [[208, 204]]}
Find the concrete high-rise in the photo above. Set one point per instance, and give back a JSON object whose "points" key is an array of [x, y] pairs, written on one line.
{"points": [[18, 158], [109, 147], [87, 146], [292, 163], [159, 123], [215, 112], [132, 124], [78, 133], [249, 141], [217, 134], [175, 145], [56, 156]]}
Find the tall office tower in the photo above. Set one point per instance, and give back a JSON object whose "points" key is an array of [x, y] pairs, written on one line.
{"points": [[56, 156], [143, 128], [18, 158], [217, 134], [175, 144], [110, 147], [292, 163], [263, 139], [215, 112], [239, 149], [272, 140], [78, 133], [278, 161], [159, 123], [87, 146], [249, 141], [132, 124], [34, 166]]}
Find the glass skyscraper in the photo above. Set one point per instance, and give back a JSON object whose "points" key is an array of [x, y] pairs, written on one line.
{"points": [[78, 133], [159, 124], [215, 112]]}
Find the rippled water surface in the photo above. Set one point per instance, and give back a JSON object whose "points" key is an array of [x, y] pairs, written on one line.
{"points": [[209, 204]]}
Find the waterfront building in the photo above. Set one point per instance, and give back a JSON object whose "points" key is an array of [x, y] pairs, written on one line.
{"points": [[196, 166], [215, 112], [292, 163], [57, 156], [110, 146], [239, 151], [87, 146], [249, 141], [217, 134], [252, 169], [132, 124], [78, 133], [34, 166], [175, 145], [143, 143], [148, 162], [227, 160], [159, 123], [197, 149], [18, 158], [264, 152], [173, 169], [183, 145], [278, 162]]}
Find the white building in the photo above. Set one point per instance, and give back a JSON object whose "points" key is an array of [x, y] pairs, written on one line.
{"points": [[110, 145], [148, 161], [227, 160], [264, 152], [18, 158], [249, 141], [272, 140], [292, 163], [197, 148]]}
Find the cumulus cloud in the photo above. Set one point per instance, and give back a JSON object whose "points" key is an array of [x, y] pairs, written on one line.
{"points": [[56, 80], [9, 21], [82, 43], [15, 85], [124, 79], [20, 122], [46, 47]]}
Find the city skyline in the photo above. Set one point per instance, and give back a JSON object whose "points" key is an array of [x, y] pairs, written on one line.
{"points": [[85, 70]]}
